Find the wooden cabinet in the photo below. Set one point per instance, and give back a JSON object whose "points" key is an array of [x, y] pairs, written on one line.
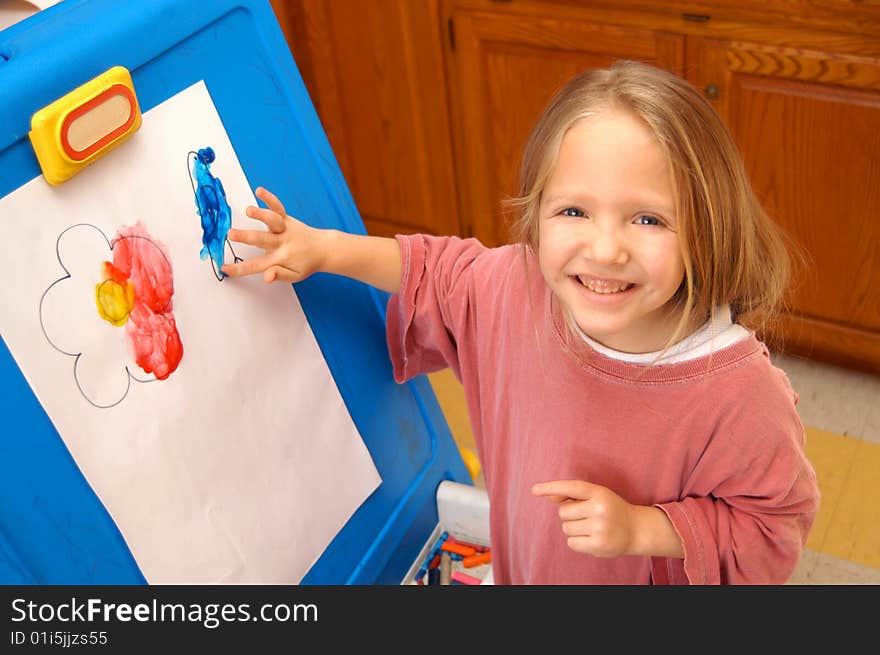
{"points": [[807, 122], [505, 69], [427, 104], [374, 70]]}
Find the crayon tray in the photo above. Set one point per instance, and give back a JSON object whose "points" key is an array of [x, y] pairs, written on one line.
{"points": [[463, 513]]}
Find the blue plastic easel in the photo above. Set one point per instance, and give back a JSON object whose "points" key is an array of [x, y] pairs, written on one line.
{"points": [[53, 528]]}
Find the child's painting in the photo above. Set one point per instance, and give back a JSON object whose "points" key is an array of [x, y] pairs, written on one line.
{"points": [[199, 409], [85, 313]]}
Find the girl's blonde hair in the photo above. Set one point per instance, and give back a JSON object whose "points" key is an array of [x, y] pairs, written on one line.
{"points": [[733, 252]]}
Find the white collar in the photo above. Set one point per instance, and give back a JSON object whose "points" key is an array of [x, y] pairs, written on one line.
{"points": [[716, 333]]}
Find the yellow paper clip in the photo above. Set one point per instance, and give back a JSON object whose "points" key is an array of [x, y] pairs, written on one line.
{"points": [[85, 124]]}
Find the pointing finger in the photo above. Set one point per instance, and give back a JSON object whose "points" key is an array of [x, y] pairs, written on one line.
{"points": [[542, 489], [577, 489]]}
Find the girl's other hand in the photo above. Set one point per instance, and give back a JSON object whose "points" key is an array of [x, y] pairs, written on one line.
{"points": [[595, 519]]}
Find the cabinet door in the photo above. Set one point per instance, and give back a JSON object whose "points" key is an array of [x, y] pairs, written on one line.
{"points": [[505, 70], [375, 73], [808, 126]]}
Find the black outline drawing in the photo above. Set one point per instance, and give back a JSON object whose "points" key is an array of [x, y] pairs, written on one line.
{"points": [[235, 258], [77, 356]]}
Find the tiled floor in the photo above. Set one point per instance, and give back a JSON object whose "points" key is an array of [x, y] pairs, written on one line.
{"points": [[841, 411]]}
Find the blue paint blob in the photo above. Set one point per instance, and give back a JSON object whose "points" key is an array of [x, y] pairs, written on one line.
{"points": [[213, 209]]}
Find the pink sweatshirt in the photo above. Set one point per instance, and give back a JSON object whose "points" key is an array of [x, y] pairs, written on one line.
{"points": [[715, 442]]}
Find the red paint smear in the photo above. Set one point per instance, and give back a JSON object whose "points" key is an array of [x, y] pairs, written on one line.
{"points": [[156, 342], [143, 261], [151, 329], [113, 273]]}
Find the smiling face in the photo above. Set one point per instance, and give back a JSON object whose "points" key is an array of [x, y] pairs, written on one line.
{"points": [[608, 246]]}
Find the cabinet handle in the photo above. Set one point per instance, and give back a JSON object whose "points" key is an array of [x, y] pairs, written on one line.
{"points": [[711, 92]]}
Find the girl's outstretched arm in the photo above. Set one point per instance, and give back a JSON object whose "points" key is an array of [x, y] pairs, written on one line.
{"points": [[294, 250]]}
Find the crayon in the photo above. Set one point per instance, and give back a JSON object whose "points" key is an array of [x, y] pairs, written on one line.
{"points": [[476, 560], [436, 549], [457, 548], [431, 555], [464, 578], [445, 569], [476, 547], [434, 577]]}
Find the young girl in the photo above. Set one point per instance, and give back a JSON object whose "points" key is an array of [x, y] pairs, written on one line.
{"points": [[631, 426]]}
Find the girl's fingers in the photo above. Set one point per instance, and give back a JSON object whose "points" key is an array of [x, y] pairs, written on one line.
{"points": [[574, 510], [581, 544], [580, 528], [257, 238], [578, 489], [271, 218], [281, 274], [271, 201], [552, 498], [247, 267], [275, 219]]}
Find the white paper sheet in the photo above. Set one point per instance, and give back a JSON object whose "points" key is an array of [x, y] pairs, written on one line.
{"points": [[244, 463]]}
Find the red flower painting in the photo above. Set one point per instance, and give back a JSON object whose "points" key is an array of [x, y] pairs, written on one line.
{"points": [[141, 267], [131, 294]]}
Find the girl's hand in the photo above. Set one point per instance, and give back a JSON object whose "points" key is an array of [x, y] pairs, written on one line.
{"points": [[596, 520], [292, 249]]}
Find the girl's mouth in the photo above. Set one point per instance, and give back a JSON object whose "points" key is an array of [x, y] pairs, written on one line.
{"points": [[604, 286]]}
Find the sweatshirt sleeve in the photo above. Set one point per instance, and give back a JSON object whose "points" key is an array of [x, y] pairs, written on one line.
{"points": [[432, 312], [745, 519]]}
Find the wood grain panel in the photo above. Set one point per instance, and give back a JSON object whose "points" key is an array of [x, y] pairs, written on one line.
{"points": [[798, 64], [506, 69], [845, 16], [375, 72], [808, 127], [519, 82], [850, 347], [306, 27], [781, 125]]}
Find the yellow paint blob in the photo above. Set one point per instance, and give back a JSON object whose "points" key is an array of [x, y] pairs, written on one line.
{"points": [[114, 301]]}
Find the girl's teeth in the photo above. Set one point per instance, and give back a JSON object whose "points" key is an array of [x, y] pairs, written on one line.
{"points": [[599, 286]]}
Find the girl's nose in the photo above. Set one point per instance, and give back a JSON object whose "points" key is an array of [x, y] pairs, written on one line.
{"points": [[606, 246]]}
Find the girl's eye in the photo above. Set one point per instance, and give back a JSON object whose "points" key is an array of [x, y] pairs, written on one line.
{"points": [[572, 211], [644, 219]]}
